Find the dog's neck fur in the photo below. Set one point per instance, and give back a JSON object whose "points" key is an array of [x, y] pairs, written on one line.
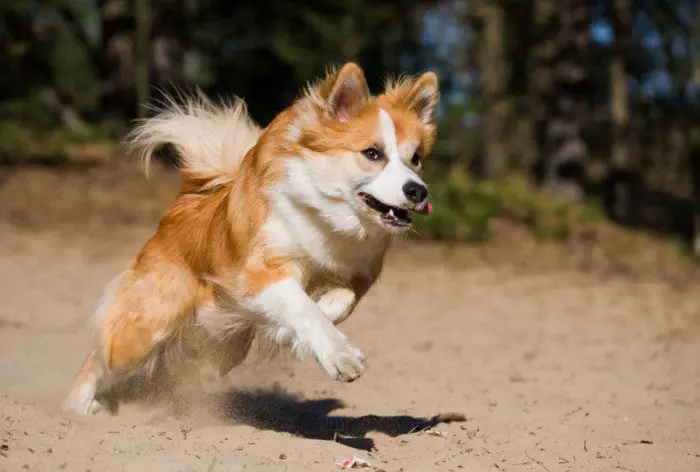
{"points": [[318, 232]]}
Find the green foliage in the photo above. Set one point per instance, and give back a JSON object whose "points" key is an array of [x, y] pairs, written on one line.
{"points": [[30, 111], [462, 209], [590, 212], [74, 74], [465, 209], [44, 59], [21, 144]]}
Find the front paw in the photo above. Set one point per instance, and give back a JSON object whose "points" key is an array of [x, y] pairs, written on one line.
{"points": [[344, 363], [82, 401], [82, 407]]}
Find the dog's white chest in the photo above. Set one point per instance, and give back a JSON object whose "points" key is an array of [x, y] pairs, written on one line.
{"points": [[317, 248]]}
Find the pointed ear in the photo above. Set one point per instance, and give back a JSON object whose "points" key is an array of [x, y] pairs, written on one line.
{"points": [[349, 93], [421, 95]]}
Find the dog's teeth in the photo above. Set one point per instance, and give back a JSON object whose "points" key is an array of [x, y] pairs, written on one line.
{"points": [[391, 213]]}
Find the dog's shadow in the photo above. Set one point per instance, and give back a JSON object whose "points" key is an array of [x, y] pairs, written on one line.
{"points": [[279, 411]]}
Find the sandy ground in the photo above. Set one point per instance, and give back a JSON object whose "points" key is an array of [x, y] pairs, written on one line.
{"points": [[554, 369]]}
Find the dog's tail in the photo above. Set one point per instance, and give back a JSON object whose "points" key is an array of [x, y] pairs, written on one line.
{"points": [[210, 140]]}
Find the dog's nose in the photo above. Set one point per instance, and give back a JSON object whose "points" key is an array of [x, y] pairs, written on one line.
{"points": [[415, 192]]}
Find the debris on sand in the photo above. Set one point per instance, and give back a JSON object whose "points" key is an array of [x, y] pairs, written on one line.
{"points": [[435, 432], [354, 463]]}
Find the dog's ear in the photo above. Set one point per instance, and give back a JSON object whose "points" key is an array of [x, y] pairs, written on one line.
{"points": [[420, 95], [349, 93]]}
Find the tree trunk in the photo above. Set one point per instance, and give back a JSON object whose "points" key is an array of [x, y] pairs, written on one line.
{"points": [[540, 66], [117, 62], [142, 49], [523, 147], [568, 102], [695, 146], [619, 104], [493, 74], [168, 41], [694, 156]]}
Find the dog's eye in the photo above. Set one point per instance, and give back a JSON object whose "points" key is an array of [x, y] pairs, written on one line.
{"points": [[373, 154], [415, 160]]}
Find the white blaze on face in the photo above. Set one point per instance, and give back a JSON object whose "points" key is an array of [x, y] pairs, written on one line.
{"points": [[387, 186], [388, 130]]}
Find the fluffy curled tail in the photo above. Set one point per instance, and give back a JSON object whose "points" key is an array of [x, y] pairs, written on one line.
{"points": [[210, 140]]}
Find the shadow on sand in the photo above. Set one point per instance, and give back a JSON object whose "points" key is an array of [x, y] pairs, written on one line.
{"points": [[277, 410]]}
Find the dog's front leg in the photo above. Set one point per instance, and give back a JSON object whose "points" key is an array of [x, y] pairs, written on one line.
{"points": [[287, 304]]}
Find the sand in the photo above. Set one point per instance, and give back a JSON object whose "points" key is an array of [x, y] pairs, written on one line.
{"points": [[554, 370]]}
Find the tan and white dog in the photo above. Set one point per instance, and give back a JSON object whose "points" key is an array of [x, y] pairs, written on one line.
{"points": [[276, 233]]}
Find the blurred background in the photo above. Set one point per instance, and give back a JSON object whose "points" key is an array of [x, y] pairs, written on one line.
{"points": [[556, 114]]}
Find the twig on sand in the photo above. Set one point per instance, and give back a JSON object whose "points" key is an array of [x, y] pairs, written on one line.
{"points": [[443, 459], [575, 410], [537, 461], [642, 441]]}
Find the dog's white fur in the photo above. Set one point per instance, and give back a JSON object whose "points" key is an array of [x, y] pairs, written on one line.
{"points": [[210, 140]]}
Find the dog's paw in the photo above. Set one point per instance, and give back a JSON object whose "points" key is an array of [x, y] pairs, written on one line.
{"points": [[83, 400], [82, 404], [345, 363]]}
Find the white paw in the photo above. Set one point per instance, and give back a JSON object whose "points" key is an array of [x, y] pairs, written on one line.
{"points": [[82, 402], [345, 363]]}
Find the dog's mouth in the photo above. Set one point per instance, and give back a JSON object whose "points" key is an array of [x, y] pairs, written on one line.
{"points": [[391, 215]]}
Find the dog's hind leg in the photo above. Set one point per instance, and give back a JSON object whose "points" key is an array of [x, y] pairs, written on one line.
{"points": [[223, 336], [82, 396], [143, 309], [230, 351]]}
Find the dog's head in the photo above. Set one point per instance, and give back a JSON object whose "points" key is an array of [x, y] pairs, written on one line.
{"points": [[362, 155]]}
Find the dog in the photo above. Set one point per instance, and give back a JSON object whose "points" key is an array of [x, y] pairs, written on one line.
{"points": [[276, 233]]}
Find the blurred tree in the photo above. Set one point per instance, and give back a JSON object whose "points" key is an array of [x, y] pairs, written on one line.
{"points": [[488, 18], [20, 50], [523, 35], [265, 51], [169, 40], [568, 100], [41, 53], [117, 62], [694, 155], [619, 104], [619, 198], [142, 59]]}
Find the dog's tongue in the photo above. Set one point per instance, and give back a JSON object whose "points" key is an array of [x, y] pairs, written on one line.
{"points": [[427, 209]]}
